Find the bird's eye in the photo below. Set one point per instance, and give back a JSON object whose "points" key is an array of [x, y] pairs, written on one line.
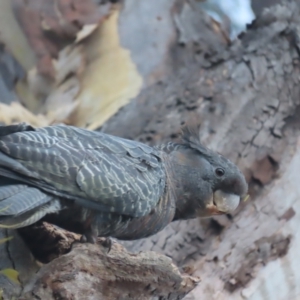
{"points": [[219, 172]]}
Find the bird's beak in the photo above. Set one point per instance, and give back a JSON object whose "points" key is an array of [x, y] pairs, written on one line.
{"points": [[223, 203]]}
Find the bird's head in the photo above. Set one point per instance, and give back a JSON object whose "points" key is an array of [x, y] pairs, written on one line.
{"points": [[205, 182]]}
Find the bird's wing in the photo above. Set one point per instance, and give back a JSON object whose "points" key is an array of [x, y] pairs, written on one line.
{"points": [[99, 171]]}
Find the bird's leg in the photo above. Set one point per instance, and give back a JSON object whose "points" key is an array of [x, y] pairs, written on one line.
{"points": [[90, 236]]}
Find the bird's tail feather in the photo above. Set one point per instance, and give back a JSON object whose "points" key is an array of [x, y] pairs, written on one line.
{"points": [[31, 216], [22, 205], [9, 129]]}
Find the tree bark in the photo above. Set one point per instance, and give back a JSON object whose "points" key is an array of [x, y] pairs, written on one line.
{"points": [[246, 96], [96, 272]]}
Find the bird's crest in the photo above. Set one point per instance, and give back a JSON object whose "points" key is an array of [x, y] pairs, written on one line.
{"points": [[191, 138]]}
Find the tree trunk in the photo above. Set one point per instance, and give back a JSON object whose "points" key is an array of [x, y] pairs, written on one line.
{"points": [[246, 96]]}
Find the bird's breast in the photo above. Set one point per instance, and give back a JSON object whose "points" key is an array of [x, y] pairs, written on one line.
{"points": [[150, 224]]}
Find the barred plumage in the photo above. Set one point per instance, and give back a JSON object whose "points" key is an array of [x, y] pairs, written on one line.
{"points": [[98, 184]]}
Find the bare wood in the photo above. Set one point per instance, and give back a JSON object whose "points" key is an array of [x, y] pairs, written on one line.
{"points": [[89, 272], [247, 97], [47, 242]]}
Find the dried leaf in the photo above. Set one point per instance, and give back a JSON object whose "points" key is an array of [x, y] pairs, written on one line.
{"points": [[11, 274], [82, 82], [16, 113], [70, 61], [110, 79], [85, 32], [52, 25], [246, 198], [2, 241], [60, 105]]}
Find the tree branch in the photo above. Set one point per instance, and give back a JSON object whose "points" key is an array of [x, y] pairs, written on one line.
{"points": [[89, 270]]}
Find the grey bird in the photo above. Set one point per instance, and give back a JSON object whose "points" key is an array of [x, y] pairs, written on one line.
{"points": [[97, 184]]}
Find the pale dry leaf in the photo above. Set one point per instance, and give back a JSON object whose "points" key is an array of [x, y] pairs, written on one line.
{"points": [[60, 105], [70, 61], [110, 79], [16, 113], [85, 32], [4, 240], [59, 94], [33, 89], [52, 25], [11, 274]]}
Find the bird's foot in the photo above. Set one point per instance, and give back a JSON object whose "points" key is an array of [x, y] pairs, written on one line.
{"points": [[91, 238], [88, 237], [107, 243]]}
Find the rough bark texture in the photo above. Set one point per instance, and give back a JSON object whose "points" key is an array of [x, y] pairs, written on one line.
{"points": [[52, 25], [89, 272], [247, 98], [47, 242], [13, 254]]}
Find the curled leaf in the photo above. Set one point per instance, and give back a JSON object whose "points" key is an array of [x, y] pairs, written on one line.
{"points": [[2, 241], [11, 274], [246, 198]]}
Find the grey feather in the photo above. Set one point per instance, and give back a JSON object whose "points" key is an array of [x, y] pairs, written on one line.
{"points": [[97, 184], [18, 199], [96, 170], [30, 217]]}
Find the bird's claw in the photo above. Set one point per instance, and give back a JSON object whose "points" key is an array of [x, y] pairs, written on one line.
{"points": [[107, 243], [88, 238]]}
